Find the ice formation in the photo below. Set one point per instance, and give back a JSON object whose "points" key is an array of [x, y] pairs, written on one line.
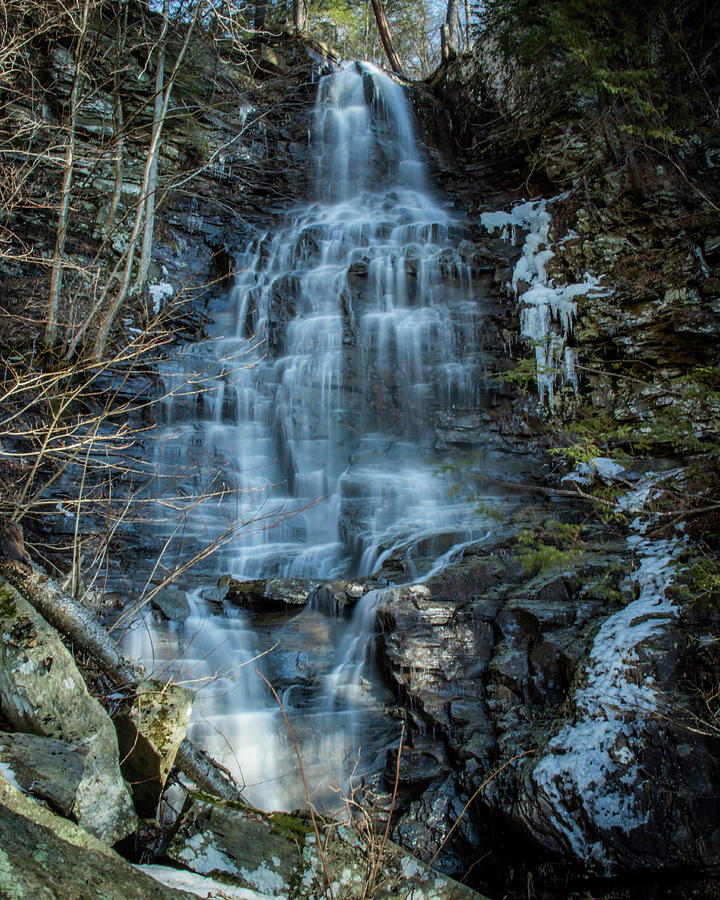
{"points": [[547, 310]]}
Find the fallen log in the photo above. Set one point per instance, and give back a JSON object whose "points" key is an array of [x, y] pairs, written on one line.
{"points": [[72, 620]]}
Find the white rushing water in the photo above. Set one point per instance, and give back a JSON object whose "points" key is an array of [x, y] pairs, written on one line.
{"points": [[306, 424]]}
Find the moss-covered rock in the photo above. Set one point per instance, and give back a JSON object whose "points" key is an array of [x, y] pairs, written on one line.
{"points": [[151, 724], [39, 863]]}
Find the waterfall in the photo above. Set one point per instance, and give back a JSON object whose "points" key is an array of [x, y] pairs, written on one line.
{"points": [[301, 437]]}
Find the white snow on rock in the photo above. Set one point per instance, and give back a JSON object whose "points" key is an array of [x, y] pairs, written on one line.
{"points": [[182, 880], [584, 472], [548, 310], [589, 775], [206, 856], [265, 880], [7, 773]]}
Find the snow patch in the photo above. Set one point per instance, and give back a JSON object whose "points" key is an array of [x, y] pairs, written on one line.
{"points": [[265, 880], [198, 884], [9, 776], [204, 856], [591, 762], [584, 472], [158, 292]]}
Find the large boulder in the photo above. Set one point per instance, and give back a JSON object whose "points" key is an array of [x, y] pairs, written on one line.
{"points": [[49, 769], [269, 594], [277, 855], [43, 693], [13, 799], [44, 856], [337, 598], [622, 782], [172, 603]]}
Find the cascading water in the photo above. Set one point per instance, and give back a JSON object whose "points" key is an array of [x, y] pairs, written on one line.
{"points": [[309, 418]]}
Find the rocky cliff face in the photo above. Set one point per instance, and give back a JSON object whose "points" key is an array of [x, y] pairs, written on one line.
{"points": [[570, 694]]}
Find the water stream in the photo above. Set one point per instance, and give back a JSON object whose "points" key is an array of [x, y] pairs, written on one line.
{"points": [[302, 440]]}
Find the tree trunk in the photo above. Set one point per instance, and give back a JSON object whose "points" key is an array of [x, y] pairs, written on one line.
{"points": [[149, 187], [260, 16], [149, 227], [450, 34], [444, 42], [87, 635], [384, 31], [56, 278], [118, 116], [300, 12], [74, 621]]}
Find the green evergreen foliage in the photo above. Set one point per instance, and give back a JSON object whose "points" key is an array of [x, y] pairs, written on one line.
{"points": [[350, 28], [682, 416], [698, 581], [607, 585], [704, 584], [524, 374], [557, 545], [646, 74]]}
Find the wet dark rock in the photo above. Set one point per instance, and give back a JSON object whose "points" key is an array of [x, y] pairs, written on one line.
{"points": [[338, 597], [217, 595], [172, 603], [425, 825], [267, 594], [420, 764], [712, 246], [434, 649], [493, 666]]}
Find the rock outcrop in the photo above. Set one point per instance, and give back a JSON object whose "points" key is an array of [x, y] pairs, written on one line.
{"points": [[558, 703], [277, 855], [44, 856], [151, 724], [42, 692], [269, 594]]}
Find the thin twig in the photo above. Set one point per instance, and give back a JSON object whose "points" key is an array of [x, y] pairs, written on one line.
{"points": [[321, 852], [370, 886]]}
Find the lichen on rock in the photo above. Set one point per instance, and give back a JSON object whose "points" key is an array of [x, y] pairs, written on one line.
{"points": [[42, 692]]}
